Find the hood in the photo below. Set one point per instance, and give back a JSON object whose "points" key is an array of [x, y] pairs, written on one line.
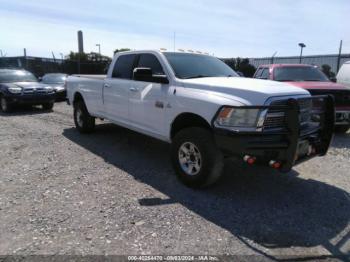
{"points": [[246, 90], [318, 85], [28, 85]]}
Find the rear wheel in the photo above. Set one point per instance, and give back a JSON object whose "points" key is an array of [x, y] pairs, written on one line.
{"points": [[195, 157], [342, 129], [48, 106], [84, 122], [5, 106]]}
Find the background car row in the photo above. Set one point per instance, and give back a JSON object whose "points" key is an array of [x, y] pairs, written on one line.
{"points": [[20, 87]]}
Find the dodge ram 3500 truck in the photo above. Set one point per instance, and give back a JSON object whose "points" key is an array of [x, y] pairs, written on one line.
{"points": [[200, 105]]}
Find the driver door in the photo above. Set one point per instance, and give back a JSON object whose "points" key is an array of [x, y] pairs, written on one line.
{"points": [[147, 99]]}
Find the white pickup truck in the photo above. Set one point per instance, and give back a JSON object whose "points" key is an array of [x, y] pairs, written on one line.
{"points": [[206, 111]]}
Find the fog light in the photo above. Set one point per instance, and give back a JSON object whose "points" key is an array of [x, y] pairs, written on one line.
{"points": [[249, 159], [275, 164]]}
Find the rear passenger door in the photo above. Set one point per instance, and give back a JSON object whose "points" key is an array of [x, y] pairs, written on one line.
{"points": [[146, 99], [115, 91]]}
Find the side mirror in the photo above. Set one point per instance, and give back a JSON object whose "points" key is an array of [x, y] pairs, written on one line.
{"points": [[333, 79], [145, 74]]}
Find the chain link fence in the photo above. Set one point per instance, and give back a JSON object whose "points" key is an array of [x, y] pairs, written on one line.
{"points": [[40, 66], [318, 60]]}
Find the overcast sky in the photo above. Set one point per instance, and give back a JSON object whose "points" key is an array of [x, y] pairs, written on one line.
{"points": [[226, 28]]}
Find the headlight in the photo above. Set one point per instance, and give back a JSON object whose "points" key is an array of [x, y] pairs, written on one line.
{"points": [[237, 117], [15, 90]]}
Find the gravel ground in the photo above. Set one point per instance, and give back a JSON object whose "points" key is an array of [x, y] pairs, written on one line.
{"points": [[114, 192]]}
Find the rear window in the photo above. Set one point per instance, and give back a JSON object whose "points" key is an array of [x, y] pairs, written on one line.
{"points": [[123, 66], [299, 73]]}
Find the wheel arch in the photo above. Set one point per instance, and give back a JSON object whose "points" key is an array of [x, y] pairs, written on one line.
{"points": [[78, 97], [185, 120]]}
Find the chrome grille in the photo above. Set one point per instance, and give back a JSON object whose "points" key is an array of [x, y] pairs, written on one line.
{"points": [[276, 118], [39, 90]]}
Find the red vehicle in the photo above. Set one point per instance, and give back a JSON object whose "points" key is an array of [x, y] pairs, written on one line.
{"points": [[316, 82]]}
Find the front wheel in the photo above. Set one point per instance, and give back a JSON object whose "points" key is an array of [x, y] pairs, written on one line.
{"points": [[84, 122], [5, 106], [195, 157]]}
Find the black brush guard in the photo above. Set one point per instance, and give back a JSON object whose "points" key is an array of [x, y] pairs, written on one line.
{"points": [[289, 146]]}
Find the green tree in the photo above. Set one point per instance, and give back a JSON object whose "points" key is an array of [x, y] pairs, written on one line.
{"points": [[241, 65], [121, 50], [327, 70], [75, 56], [88, 57]]}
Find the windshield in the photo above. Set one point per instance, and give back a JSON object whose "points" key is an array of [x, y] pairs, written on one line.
{"points": [[299, 73], [54, 78], [9, 76], [188, 66]]}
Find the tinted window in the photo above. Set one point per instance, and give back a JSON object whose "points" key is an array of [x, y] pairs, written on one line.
{"points": [[123, 66], [7, 76], [265, 74], [151, 61], [299, 73], [187, 66]]}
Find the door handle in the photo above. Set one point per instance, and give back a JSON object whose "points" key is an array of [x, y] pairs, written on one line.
{"points": [[134, 89], [107, 85]]}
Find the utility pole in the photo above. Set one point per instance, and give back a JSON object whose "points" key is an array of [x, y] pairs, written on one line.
{"points": [[1, 53], [25, 58], [339, 55], [302, 45], [273, 56], [80, 48], [174, 41], [53, 56], [99, 48]]}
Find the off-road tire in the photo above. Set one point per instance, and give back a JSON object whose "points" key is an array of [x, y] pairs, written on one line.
{"points": [[4, 105], [212, 161], [84, 122]]}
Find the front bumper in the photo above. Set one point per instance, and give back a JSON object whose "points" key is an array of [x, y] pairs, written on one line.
{"points": [[289, 147], [31, 99]]}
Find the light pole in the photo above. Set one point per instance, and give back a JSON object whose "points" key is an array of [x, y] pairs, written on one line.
{"points": [[61, 56], [302, 45], [99, 48]]}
